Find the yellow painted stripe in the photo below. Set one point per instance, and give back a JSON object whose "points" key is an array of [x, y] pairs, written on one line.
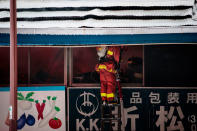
{"points": [[109, 52], [111, 95]]}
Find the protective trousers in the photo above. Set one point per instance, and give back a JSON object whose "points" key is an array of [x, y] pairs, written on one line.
{"points": [[108, 85]]}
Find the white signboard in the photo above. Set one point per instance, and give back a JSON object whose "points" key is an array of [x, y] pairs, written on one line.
{"points": [[39, 109]]}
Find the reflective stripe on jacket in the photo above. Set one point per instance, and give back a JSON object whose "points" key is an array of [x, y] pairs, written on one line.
{"points": [[106, 66]]}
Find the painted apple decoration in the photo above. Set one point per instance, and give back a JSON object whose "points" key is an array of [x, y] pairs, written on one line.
{"points": [[55, 123]]}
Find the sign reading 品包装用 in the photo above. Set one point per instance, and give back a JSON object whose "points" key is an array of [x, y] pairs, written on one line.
{"points": [[154, 109]]}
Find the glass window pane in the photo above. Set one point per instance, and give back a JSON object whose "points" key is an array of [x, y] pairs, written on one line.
{"points": [[171, 65], [4, 66], [23, 65], [47, 65], [85, 60], [132, 65]]}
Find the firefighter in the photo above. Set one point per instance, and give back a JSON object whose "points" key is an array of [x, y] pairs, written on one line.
{"points": [[108, 64]]}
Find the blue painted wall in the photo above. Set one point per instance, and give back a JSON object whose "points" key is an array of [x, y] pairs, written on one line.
{"points": [[37, 39], [36, 88]]}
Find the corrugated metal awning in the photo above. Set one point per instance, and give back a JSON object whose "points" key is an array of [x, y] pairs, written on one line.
{"points": [[100, 13]]}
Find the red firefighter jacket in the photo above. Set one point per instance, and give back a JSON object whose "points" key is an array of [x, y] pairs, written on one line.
{"points": [[113, 58]]}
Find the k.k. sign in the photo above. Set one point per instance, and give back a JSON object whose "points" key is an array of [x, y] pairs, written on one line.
{"points": [[145, 109], [84, 109]]}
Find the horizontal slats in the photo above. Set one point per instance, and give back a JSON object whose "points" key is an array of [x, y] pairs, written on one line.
{"points": [[99, 12], [100, 23], [110, 13], [95, 3], [108, 17], [110, 8]]}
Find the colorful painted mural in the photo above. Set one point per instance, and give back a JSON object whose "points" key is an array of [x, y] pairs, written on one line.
{"points": [[37, 109]]}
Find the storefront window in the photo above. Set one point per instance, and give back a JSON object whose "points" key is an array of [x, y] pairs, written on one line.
{"points": [[47, 65], [132, 65], [4, 66], [35, 66], [23, 76], [85, 60], [170, 65]]}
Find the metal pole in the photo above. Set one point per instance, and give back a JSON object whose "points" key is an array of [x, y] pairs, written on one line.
{"points": [[13, 67]]}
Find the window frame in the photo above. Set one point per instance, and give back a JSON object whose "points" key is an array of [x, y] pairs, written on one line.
{"points": [[68, 71], [29, 84], [72, 84]]}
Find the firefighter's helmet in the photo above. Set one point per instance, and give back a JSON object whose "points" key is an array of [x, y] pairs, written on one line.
{"points": [[101, 51]]}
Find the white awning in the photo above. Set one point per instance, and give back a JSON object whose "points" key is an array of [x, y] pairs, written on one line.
{"points": [[100, 13]]}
